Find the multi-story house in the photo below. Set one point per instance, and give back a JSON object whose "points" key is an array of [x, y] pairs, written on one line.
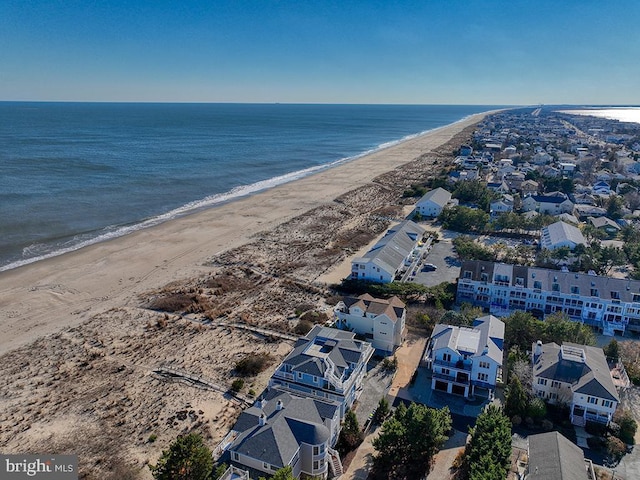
{"points": [[610, 304], [389, 255], [466, 361], [327, 364], [578, 376], [281, 430], [382, 322]]}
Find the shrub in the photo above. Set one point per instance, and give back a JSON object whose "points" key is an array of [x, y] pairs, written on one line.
{"points": [[152, 438], [537, 409], [253, 364], [303, 327], [547, 425], [171, 303], [628, 425], [237, 385], [615, 447], [597, 429], [390, 363], [596, 443], [252, 392], [516, 420]]}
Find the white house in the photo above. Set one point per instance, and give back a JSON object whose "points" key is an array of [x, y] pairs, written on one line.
{"points": [[503, 205], [560, 234], [465, 361], [576, 375], [381, 321], [432, 203], [550, 205], [388, 256]]}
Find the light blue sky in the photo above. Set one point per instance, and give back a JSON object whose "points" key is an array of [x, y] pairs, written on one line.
{"points": [[421, 51]]}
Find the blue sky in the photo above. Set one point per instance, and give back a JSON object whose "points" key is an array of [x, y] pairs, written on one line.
{"points": [[349, 51]]}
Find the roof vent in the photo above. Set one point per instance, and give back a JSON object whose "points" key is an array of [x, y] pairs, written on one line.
{"points": [[279, 405], [262, 419]]}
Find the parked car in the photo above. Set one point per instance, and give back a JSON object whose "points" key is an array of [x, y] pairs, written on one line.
{"points": [[429, 267]]}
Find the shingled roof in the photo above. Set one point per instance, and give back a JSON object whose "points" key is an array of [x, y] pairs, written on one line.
{"points": [[553, 457]]}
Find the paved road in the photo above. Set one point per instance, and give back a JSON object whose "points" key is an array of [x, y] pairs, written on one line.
{"points": [[443, 257]]}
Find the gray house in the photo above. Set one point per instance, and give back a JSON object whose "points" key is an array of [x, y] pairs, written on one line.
{"points": [[553, 457]]}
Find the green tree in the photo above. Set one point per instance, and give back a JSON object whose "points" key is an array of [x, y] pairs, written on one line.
{"points": [[409, 440], [284, 473], [488, 453], [188, 458], [614, 207], [516, 401], [612, 350], [382, 410], [628, 425], [350, 434]]}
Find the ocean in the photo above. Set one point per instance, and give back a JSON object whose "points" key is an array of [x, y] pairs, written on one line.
{"points": [[74, 174]]}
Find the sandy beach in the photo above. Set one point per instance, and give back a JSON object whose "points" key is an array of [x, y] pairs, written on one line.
{"points": [[79, 349]]}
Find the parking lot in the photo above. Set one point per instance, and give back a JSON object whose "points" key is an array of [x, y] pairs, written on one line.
{"points": [[444, 258]]}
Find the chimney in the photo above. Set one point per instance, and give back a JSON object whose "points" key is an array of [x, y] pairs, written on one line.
{"points": [[262, 419], [279, 405], [260, 403], [538, 350]]}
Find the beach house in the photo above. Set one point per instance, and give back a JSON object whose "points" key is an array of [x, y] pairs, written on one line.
{"points": [[466, 361], [388, 256], [326, 364], [282, 430], [554, 457], [575, 375], [433, 202], [380, 321]]}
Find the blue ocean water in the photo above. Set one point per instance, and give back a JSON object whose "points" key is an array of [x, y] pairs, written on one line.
{"points": [[72, 174]]}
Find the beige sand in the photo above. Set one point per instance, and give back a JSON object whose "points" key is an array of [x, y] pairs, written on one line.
{"points": [[80, 358], [47, 296]]}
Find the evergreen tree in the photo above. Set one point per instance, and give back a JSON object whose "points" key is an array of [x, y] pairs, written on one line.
{"points": [[188, 458], [488, 453], [409, 440], [350, 434], [516, 400]]}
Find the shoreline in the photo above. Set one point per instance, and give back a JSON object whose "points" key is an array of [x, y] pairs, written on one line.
{"points": [[63, 291], [213, 201]]}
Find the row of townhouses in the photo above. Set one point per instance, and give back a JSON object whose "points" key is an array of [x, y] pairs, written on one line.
{"points": [[608, 304]]}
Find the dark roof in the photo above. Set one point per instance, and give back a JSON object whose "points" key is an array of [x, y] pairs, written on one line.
{"points": [[299, 420], [553, 457], [588, 374]]}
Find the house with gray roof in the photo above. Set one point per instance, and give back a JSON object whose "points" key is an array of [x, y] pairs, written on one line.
{"points": [[282, 429], [553, 457], [612, 305], [326, 364], [389, 255], [432, 203], [466, 361], [578, 376], [561, 234], [382, 322], [547, 204]]}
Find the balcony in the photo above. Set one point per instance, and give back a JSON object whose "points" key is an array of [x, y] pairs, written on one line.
{"points": [[459, 365], [460, 379], [481, 384]]}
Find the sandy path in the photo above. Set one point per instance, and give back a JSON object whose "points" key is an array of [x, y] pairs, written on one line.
{"points": [[47, 296]]}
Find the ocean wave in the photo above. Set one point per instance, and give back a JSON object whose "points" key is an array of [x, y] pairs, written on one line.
{"points": [[39, 251]]}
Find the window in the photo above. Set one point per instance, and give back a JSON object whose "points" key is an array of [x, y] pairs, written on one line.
{"points": [[315, 465], [235, 456], [483, 377], [615, 295], [592, 400], [316, 450], [537, 284], [315, 379], [555, 384], [542, 381], [555, 287], [265, 465], [607, 403], [446, 371], [299, 375], [467, 274], [362, 267], [484, 277], [519, 281], [594, 292], [575, 289], [446, 357], [484, 364]]}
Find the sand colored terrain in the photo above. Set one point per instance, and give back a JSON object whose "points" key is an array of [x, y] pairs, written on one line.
{"points": [[80, 348]]}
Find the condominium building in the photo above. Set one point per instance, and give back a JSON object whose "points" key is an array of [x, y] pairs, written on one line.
{"points": [[612, 305]]}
